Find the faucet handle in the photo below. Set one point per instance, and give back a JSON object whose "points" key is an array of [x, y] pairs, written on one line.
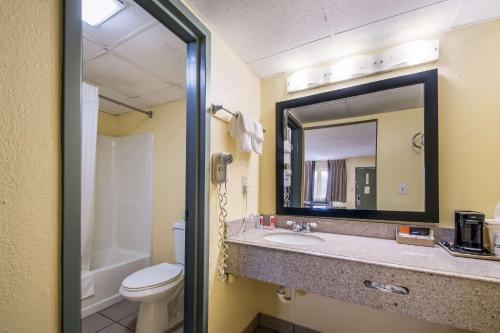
{"points": [[308, 226]]}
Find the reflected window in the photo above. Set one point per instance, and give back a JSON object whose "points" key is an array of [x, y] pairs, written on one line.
{"points": [[320, 181]]}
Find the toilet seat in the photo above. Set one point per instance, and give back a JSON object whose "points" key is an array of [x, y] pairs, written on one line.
{"points": [[152, 277]]}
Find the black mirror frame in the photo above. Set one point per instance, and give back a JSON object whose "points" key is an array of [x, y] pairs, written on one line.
{"points": [[431, 214]]}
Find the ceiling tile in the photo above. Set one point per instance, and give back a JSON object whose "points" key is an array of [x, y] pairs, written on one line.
{"points": [[406, 27], [258, 29], [386, 101], [158, 51], [108, 92], [108, 106], [354, 140], [157, 98], [321, 112], [413, 25], [118, 26], [90, 49], [111, 71], [478, 10], [306, 55], [345, 15]]}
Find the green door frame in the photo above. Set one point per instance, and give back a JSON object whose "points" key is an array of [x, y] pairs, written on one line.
{"points": [[176, 17]]}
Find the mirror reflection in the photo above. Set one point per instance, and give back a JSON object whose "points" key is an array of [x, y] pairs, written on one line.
{"points": [[364, 152]]}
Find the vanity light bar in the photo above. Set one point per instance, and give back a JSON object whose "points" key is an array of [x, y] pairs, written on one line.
{"points": [[401, 56], [307, 78]]}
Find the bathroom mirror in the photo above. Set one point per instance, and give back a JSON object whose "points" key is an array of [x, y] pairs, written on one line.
{"points": [[367, 152]]}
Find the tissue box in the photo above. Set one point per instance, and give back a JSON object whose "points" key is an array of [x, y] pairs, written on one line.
{"points": [[403, 236]]}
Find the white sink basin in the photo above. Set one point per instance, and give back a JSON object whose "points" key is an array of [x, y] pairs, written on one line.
{"points": [[293, 238]]}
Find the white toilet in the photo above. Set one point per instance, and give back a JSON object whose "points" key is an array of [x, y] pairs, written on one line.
{"points": [[160, 289]]}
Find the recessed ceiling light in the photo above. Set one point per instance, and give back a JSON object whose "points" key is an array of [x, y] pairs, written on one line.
{"points": [[95, 12]]}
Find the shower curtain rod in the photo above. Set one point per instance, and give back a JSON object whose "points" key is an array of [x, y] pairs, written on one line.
{"points": [[148, 113]]}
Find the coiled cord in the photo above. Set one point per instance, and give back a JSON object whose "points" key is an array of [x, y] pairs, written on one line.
{"points": [[287, 196], [222, 230]]}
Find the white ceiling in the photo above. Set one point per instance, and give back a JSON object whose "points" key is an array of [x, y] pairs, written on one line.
{"points": [[397, 99], [135, 60], [349, 141], [275, 36]]}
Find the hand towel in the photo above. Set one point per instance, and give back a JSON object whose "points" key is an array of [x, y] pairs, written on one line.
{"points": [[257, 138], [247, 132], [241, 129]]}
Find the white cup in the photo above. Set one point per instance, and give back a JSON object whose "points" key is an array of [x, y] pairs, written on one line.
{"points": [[496, 245]]}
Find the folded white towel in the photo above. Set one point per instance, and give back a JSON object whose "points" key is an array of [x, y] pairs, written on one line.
{"points": [[247, 132], [257, 138], [240, 128]]}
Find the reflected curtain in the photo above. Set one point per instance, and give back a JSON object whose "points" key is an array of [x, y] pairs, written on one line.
{"points": [[336, 190], [309, 167]]}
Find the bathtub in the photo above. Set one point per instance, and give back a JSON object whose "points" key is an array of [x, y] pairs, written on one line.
{"points": [[108, 271]]}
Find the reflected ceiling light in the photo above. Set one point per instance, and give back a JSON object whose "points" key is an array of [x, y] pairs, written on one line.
{"points": [[401, 56], [95, 12]]}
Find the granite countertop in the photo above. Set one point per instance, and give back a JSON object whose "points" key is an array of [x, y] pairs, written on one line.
{"points": [[385, 252]]}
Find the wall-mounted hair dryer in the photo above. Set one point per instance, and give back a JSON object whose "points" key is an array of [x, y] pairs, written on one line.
{"points": [[219, 167], [219, 178]]}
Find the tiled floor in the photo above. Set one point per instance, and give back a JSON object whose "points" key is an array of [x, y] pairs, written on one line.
{"points": [[118, 318]]}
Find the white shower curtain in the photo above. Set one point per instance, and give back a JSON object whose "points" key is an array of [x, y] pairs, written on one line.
{"points": [[90, 110]]}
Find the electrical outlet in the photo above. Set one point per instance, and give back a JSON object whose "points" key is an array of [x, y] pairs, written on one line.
{"points": [[402, 188]]}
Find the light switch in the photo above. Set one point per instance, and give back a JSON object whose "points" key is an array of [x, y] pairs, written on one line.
{"points": [[402, 188]]}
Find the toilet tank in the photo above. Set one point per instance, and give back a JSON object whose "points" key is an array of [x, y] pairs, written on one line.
{"points": [[179, 230]]}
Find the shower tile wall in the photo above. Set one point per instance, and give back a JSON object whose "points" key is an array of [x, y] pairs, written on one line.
{"points": [[105, 212], [135, 188], [123, 196]]}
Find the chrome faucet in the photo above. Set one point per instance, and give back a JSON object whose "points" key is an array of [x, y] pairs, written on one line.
{"points": [[301, 227]]}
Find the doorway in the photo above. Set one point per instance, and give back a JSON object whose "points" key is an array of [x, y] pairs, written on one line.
{"points": [[366, 188], [173, 16]]}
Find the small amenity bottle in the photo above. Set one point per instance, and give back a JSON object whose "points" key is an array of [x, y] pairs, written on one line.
{"points": [[272, 222]]}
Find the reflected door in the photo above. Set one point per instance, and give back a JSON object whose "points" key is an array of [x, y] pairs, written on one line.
{"points": [[366, 188]]}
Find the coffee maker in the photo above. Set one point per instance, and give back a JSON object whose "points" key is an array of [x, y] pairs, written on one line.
{"points": [[469, 231]]}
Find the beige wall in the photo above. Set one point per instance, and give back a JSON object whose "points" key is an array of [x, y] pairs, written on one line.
{"points": [[468, 120], [107, 124], [232, 306], [397, 161], [351, 165], [30, 168], [168, 126]]}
